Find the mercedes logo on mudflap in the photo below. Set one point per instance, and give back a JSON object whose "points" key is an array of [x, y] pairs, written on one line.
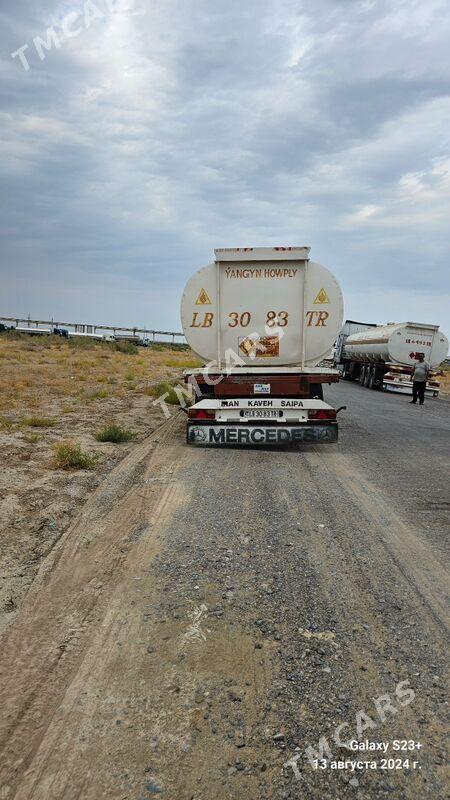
{"points": [[198, 435]]}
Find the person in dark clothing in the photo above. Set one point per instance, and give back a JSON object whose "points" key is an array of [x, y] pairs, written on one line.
{"points": [[419, 379]]}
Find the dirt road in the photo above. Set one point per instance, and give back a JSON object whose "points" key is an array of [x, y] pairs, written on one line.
{"points": [[211, 614]]}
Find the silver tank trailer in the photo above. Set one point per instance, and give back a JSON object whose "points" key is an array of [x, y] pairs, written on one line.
{"points": [[398, 343]]}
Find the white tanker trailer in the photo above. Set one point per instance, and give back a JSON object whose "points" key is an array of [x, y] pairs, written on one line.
{"points": [[264, 319], [383, 357], [268, 305]]}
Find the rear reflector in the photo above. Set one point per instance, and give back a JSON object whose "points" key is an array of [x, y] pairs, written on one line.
{"points": [[322, 413], [200, 413]]}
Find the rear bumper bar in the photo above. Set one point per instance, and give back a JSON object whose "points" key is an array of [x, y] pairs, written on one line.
{"points": [[213, 434], [403, 387]]}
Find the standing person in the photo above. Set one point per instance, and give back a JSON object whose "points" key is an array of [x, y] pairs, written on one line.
{"points": [[419, 378]]}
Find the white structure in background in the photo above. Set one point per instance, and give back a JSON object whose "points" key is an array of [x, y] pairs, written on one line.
{"points": [[384, 356]]}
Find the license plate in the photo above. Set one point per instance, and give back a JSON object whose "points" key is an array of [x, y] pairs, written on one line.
{"points": [[261, 413], [261, 388]]}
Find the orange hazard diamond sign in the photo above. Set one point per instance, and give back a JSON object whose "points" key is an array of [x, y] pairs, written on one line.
{"points": [[322, 298], [203, 299]]}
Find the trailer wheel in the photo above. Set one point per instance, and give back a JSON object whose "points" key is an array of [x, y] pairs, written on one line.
{"points": [[371, 380], [362, 375], [378, 375]]}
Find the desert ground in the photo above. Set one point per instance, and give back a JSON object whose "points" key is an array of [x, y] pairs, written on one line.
{"points": [[52, 391], [197, 624]]}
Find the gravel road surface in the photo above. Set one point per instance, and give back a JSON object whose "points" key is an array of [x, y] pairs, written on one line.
{"points": [[212, 614]]}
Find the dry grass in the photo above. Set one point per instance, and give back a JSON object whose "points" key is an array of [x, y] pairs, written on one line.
{"points": [[32, 438], [36, 374], [69, 455], [165, 389], [115, 433], [445, 380], [69, 411], [39, 422]]}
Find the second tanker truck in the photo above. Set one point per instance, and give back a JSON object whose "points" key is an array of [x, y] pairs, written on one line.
{"points": [[383, 356], [263, 319]]}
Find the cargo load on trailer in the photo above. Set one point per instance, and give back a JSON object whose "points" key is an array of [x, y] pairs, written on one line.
{"points": [[383, 357], [263, 320], [32, 331]]}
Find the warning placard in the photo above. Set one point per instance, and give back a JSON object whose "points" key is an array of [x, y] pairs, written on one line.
{"points": [[322, 298], [203, 299], [263, 347]]}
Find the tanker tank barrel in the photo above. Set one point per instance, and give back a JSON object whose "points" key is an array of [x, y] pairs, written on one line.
{"points": [[269, 306], [398, 344]]}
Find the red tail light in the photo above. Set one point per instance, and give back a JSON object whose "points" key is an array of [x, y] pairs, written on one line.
{"points": [[322, 413], [201, 413]]}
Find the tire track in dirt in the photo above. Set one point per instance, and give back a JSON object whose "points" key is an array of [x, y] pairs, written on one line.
{"points": [[45, 646], [206, 638], [411, 555], [152, 680], [377, 570]]}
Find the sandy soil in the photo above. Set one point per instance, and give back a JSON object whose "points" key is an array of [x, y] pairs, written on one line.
{"points": [[208, 615], [75, 390]]}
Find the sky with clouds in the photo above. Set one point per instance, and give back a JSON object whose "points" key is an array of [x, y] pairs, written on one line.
{"points": [[160, 129]]}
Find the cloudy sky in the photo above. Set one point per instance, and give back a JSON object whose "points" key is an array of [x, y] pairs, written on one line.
{"points": [[160, 129]]}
